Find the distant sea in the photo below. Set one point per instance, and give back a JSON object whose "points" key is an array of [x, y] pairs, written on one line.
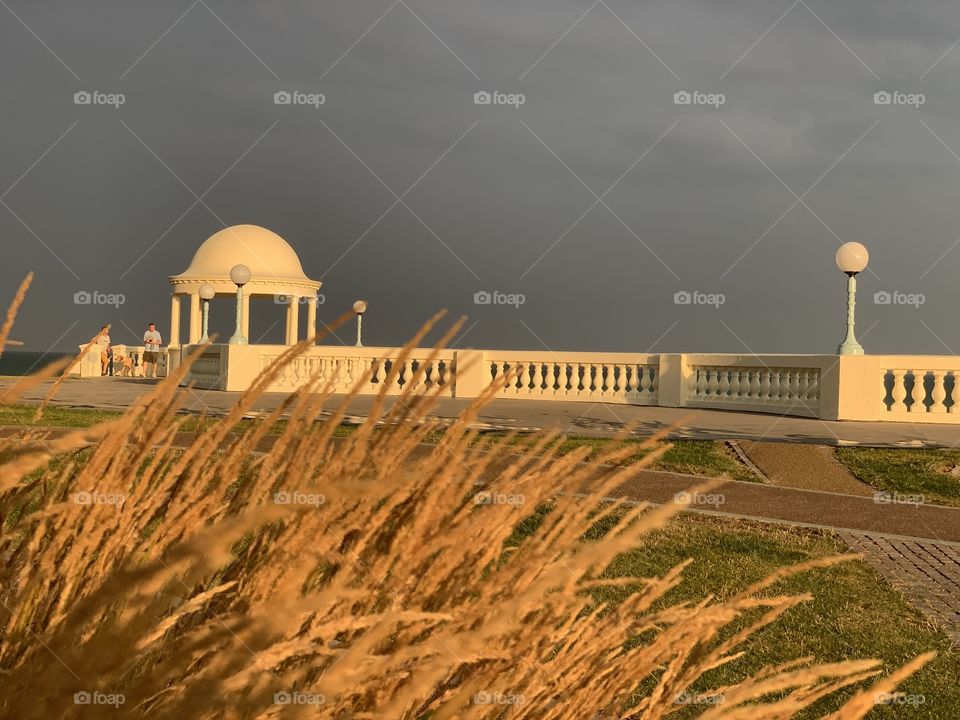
{"points": [[24, 362]]}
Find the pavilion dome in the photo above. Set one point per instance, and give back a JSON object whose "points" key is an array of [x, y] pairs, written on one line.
{"points": [[268, 256]]}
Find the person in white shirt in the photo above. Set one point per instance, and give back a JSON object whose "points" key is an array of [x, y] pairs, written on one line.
{"points": [[151, 350], [103, 340]]}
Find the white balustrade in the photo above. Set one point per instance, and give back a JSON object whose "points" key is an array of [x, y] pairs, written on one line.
{"points": [[791, 390], [920, 393], [610, 377]]}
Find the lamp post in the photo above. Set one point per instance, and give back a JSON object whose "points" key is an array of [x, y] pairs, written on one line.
{"points": [[359, 307], [852, 258], [207, 293], [240, 275]]}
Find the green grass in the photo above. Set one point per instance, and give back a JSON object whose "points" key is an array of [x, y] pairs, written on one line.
{"points": [[694, 457], [53, 416], [907, 472], [855, 614]]}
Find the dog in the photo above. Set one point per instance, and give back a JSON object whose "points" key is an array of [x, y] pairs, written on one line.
{"points": [[125, 365]]}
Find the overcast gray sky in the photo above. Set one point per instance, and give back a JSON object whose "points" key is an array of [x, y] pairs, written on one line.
{"points": [[599, 199]]}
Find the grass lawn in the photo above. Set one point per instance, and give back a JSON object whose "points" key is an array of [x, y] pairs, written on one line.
{"points": [[695, 457], [907, 472], [53, 416], [855, 613]]}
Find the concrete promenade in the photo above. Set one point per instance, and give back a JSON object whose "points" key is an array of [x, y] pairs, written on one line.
{"points": [[574, 418]]}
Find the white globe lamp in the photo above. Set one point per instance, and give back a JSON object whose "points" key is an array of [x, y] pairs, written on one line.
{"points": [[852, 258], [240, 275]]}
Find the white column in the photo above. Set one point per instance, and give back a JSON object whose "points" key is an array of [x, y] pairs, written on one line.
{"points": [[174, 321], [312, 316], [194, 318], [293, 328], [245, 325]]}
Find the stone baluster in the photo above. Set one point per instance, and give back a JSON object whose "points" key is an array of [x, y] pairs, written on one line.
{"points": [[713, 382], [918, 393], [723, 387], [803, 387], [899, 391], [774, 385], [701, 384], [754, 391], [643, 381], [938, 393]]}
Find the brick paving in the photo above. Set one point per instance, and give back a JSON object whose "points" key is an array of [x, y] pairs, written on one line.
{"points": [[927, 572]]}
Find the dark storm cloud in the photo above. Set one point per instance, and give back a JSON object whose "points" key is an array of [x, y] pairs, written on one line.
{"points": [[536, 200]]}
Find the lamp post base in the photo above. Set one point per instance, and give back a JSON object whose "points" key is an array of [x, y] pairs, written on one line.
{"points": [[850, 348]]}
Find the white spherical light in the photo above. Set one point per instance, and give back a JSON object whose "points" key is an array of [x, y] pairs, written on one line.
{"points": [[240, 274], [360, 307], [852, 257], [207, 291]]}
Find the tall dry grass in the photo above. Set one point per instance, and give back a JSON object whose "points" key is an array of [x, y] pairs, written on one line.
{"points": [[172, 577]]}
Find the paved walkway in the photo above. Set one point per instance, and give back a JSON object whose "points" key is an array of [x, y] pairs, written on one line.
{"points": [[927, 573], [590, 419], [809, 467]]}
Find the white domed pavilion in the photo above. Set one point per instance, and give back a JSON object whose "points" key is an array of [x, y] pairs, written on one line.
{"points": [[275, 270]]}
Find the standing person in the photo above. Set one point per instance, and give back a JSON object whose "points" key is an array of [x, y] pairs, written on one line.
{"points": [[151, 350], [106, 351]]}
